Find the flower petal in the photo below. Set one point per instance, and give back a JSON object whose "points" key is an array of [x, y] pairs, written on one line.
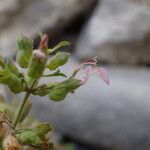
{"points": [[103, 74], [85, 76]]}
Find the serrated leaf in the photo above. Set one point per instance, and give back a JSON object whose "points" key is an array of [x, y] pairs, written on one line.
{"points": [[61, 89], [60, 45], [56, 73], [25, 51], [58, 60]]}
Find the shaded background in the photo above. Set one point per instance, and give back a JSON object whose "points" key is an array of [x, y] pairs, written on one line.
{"points": [[96, 117]]}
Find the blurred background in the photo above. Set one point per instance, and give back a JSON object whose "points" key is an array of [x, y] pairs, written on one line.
{"points": [[97, 116]]}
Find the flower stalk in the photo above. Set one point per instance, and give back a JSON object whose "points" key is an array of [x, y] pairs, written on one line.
{"points": [[21, 106]]}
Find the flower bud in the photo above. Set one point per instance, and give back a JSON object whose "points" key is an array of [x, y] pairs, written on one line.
{"points": [[44, 43], [11, 143], [37, 64]]}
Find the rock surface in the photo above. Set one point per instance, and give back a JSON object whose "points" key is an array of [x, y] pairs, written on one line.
{"points": [[118, 32], [33, 16], [113, 117]]}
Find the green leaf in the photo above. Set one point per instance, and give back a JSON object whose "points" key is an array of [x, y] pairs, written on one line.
{"points": [[58, 94], [29, 138], [60, 45], [25, 51], [12, 81], [36, 136], [6, 109], [58, 60], [56, 73], [42, 129], [61, 89], [19, 131], [10, 65], [10, 75]]}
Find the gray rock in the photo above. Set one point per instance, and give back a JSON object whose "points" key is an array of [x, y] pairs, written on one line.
{"points": [[33, 16], [118, 32], [115, 116]]}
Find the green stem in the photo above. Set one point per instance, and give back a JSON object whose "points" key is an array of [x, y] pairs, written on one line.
{"points": [[18, 113], [22, 103]]}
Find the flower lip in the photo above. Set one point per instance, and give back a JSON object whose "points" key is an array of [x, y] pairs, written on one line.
{"points": [[90, 69]]}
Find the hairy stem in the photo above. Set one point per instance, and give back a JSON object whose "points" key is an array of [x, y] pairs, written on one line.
{"points": [[19, 110]]}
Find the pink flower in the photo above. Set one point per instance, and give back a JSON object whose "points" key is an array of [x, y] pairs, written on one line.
{"points": [[90, 69], [103, 74]]}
